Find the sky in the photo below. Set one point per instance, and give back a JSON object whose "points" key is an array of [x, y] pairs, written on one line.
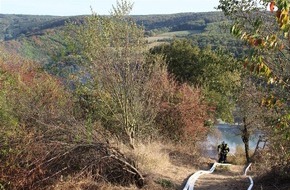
{"points": [[103, 7]]}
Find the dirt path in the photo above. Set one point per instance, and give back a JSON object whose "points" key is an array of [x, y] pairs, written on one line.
{"points": [[223, 178]]}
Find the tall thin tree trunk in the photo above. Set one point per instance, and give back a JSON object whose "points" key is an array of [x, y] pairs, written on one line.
{"points": [[245, 138], [132, 139]]}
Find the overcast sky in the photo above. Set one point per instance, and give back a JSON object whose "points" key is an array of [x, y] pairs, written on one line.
{"points": [[82, 7]]}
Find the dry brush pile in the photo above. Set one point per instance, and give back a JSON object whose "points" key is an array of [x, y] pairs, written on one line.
{"points": [[40, 162]]}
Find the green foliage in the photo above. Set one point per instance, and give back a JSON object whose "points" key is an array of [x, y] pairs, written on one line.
{"points": [[6, 116], [119, 88], [38, 36], [216, 72], [267, 36], [166, 183], [178, 22], [17, 26], [181, 58], [14, 26]]}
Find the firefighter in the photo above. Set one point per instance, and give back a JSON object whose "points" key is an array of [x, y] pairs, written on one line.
{"points": [[223, 150]]}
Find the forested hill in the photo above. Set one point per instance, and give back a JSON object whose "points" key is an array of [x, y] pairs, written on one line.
{"points": [[180, 21], [36, 37], [14, 26]]}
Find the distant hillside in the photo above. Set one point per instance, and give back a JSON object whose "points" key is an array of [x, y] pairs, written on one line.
{"points": [[180, 21], [13, 26], [36, 36]]}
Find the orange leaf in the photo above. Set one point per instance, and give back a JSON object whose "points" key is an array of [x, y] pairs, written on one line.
{"points": [[272, 6]]}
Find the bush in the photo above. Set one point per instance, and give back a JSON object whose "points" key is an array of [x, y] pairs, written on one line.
{"points": [[183, 114], [35, 96]]}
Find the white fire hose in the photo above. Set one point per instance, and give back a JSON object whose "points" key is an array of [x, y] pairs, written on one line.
{"points": [[193, 178]]}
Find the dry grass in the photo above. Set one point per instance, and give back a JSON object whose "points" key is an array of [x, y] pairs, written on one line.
{"points": [[163, 163], [154, 160], [151, 157], [239, 157], [87, 183]]}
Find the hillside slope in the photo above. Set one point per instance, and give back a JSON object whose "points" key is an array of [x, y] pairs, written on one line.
{"points": [[36, 37], [13, 26]]}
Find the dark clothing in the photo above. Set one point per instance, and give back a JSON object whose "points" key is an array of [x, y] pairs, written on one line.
{"points": [[223, 150]]}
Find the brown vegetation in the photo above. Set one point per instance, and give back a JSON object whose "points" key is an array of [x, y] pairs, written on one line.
{"points": [[47, 144], [40, 140], [183, 114]]}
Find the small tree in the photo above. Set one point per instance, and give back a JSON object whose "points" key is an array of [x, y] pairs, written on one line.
{"points": [[111, 54], [249, 113]]}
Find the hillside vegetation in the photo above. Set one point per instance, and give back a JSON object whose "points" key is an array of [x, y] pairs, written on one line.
{"points": [[77, 108], [13, 26], [127, 102], [36, 36]]}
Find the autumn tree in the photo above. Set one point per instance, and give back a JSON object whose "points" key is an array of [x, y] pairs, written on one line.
{"points": [[264, 27], [249, 114], [117, 79]]}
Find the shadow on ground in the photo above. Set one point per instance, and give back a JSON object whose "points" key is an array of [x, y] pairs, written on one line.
{"points": [[185, 159]]}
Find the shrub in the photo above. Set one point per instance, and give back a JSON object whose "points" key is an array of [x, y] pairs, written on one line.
{"points": [[31, 103], [36, 96], [183, 114]]}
